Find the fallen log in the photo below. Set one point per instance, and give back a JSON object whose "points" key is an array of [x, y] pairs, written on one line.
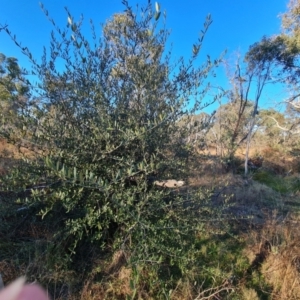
{"points": [[169, 183]]}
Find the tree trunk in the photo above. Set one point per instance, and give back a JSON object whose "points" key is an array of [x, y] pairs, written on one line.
{"points": [[249, 137]]}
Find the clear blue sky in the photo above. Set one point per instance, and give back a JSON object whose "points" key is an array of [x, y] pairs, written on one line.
{"points": [[236, 24]]}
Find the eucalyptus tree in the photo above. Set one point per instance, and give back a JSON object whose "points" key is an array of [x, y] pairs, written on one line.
{"points": [[230, 127], [282, 52], [236, 120], [14, 90], [269, 134]]}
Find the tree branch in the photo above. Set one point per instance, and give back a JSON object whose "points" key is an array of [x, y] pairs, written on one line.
{"points": [[283, 128], [3, 27]]}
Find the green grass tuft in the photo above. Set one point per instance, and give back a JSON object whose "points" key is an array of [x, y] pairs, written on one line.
{"points": [[275, 182]]}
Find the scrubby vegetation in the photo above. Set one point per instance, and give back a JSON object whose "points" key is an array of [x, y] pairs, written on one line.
{"points": [[86, 148]]}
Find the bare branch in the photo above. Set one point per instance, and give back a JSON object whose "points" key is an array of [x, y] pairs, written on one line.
{"points": [[295, 105], [277, 124], [214, 291], [283, 128]]}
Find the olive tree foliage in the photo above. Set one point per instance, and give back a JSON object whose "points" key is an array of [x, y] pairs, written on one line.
{"points": [[103, 121], [2, 27]]}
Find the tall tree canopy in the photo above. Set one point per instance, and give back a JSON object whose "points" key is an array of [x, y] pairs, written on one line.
{"points": [[282, 50]]}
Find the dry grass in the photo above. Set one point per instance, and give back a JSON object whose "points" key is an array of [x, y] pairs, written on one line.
{"points": [[249, 294], [118, 287], [117, 283], [9, 271], [9, 154], [274, 252], [282, 267], [280, 272]]}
